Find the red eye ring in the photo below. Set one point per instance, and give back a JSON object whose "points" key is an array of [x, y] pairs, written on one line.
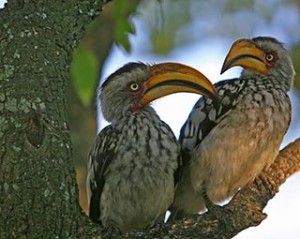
{"points": [[134, 86], [270, 57]]}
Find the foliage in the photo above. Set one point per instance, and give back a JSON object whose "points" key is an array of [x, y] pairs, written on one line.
{"points": [[173, 23], [296, 60], [84, 74], [123, 25], [91, 53], [164, 19]]}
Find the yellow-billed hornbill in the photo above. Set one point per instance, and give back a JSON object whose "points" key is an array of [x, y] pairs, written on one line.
{"points": [[131, 166], [227, 143]]}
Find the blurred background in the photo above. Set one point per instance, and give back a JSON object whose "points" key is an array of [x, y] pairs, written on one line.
{"points": [[198, 33], [194, 32]]}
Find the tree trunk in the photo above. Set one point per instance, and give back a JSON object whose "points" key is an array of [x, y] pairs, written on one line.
{"points": [[39, 195]]}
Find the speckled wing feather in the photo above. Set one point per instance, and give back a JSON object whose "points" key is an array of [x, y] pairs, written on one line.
{"points": [[206, 114], [227, 143], [100, 157]]}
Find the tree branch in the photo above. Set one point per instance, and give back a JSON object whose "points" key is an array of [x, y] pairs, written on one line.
{"points": [[243, 211]]}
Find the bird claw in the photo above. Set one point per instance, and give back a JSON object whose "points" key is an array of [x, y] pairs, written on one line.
{"points": [[157, 227], [110, 232], [216, 210]]}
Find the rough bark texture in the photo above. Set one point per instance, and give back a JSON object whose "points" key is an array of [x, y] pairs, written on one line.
{"points": [[39, 195], [38, 191]]}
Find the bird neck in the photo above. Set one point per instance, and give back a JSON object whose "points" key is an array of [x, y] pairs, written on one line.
{"points": [[280, 81], [128, 116], [284, 80]]}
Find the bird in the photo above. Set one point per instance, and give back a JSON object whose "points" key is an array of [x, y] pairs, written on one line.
{"points": [[225, 144], [131, 166]]}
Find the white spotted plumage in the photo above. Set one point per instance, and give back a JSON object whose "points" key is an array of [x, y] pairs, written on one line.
{"points": [[131, 167], [226, 144]]}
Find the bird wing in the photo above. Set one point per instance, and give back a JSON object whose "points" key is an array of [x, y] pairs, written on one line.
{"points": [[206, 113], [100, 157]]}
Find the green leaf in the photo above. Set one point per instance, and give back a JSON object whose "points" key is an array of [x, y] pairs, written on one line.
{"points": [[295, 54], [124, 27], [84, 70]]}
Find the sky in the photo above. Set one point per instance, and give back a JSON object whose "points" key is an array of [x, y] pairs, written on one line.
{"points": [[284, 210]]}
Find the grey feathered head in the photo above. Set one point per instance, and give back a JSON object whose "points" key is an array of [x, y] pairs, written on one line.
{"points": [[135, 85], [261, 56]]}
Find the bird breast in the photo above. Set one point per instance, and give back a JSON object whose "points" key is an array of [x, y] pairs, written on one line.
{"points": [[139, 183], [253, 131]]}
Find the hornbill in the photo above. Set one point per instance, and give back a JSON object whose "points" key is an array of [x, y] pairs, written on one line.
{"points": [[131, 166], [227, 143]]}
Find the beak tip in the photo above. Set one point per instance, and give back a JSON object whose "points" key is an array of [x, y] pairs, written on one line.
{"points": [[247, 54], [224, 68]]}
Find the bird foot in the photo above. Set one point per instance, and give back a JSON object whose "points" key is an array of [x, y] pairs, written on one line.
{"points": [[110, 232], [217, 211], [157, 227]]}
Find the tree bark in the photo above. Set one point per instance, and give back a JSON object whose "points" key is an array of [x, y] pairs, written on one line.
{"points": [[38, 191], [39, 195]]}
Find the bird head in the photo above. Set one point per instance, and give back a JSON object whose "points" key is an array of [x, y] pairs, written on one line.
{"points": [[261, 55], [135, 85]]}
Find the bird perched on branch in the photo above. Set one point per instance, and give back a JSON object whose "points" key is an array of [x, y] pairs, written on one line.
{"points": [[227, 144], [131, 166]]}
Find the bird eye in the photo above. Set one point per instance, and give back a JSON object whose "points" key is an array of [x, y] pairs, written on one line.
{"points": [[269, 57], [134, 86]]}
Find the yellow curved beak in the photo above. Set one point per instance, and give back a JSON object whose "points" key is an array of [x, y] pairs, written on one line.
{"points": [[169, 78], [246, 53]]}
